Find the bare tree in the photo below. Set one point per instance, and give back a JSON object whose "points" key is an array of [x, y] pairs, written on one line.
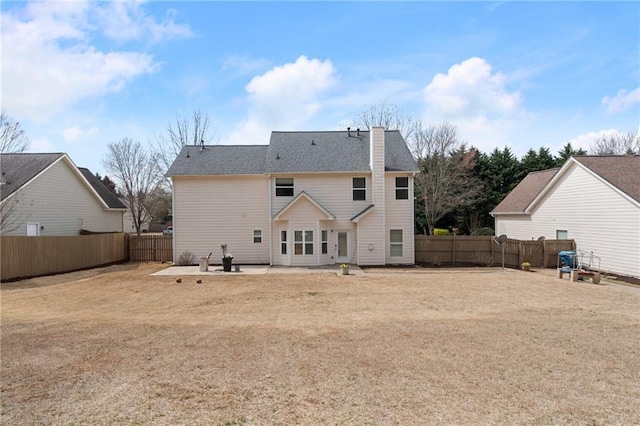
{"points": [[616, 144], [446, 179], [12, 136], [387, 116], [13, 213], [181, 133], [138, 174]]}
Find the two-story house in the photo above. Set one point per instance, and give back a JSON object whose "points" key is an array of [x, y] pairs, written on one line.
{"points": [[306, 199]]}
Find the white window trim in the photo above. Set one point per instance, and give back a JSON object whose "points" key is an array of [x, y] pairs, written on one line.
{"points": [[402, 187], [354, 189], [281, 186], [304, 242], [395, 244]]}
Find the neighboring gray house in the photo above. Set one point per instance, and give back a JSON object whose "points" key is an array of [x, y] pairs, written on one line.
{"points": [[308, 198], [46, 194], [594, 200]]}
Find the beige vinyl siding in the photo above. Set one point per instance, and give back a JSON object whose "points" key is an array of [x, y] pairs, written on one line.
{"points": [[399, 215], [62, 204], [594, 214], [334, 193], [210, 211], [371, 228]]}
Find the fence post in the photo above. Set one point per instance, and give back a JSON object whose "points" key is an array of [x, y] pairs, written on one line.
{"points": [[453, 241]]}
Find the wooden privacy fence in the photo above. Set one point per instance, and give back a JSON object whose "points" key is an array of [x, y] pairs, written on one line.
{"points": [[150, 248], [22, 256], [484, 250]]}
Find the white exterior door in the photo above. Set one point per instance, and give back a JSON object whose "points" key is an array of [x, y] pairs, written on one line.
{"points": [[33, 229], [342, 247]]}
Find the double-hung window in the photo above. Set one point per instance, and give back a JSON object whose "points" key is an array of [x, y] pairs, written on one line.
{"points": [[284, 187], [325, 243], [359, 189], [395, 240], [283, 242], [257, 236], [302, 242], [402, 188]]}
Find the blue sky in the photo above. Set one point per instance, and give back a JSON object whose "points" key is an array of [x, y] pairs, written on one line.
{"points": [[78, 75]]}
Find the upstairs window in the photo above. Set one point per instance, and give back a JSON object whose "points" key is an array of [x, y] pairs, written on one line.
{"points": [[359, 189], [402, 188], [284, 187], [257, 236]]}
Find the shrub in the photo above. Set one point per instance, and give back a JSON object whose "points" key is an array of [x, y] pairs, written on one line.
{"points": [[483, 231], [440, 231], [186, 258]]}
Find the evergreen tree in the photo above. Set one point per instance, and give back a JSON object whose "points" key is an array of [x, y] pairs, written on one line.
{"points": [[566, 152]]}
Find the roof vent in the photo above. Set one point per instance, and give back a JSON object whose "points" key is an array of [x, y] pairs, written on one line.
{"points": [[312, 142], [277, 156], [188, 154], [201, 144], [348, 132], [358, 131]]}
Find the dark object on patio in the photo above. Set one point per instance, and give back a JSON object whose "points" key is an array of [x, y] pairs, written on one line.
{"points": [[226, 263]]}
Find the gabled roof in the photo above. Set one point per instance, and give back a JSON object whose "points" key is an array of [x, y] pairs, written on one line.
{"points": [[18, 169], [620, 172], [296, 199], [294, 152], [522, 195], [107, 196], [363, 213]]}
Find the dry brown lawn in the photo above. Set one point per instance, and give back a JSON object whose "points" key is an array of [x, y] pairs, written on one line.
{"points": [[478, 346]]}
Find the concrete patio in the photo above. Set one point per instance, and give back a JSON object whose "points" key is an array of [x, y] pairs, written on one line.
{"points": [[258, 270]]}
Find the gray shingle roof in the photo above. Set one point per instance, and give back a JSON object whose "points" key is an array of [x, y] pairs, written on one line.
{"points": [[109, 197], [18, 169], [219, 160], [295, 152]]}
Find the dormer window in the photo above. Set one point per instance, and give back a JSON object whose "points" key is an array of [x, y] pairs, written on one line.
{"points": [[359, 189], [284, 187]]}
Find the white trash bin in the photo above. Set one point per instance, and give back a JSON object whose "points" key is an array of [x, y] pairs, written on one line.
{"points": [[204, 264]]}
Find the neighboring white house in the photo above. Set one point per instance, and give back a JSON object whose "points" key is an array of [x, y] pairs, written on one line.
{"points": [[46, 194], [127, 219], [308, 198], [594, 200]]}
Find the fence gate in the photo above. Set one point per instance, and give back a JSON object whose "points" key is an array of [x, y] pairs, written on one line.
{"points": [[150, 248]]}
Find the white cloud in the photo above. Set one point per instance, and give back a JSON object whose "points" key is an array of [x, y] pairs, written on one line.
{"points": [[49, 64], [476, 99], [127, 20], [285, 97], [622, 101], [76, 134], [586, 140]]}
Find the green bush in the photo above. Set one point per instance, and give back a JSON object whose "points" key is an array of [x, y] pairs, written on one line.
{"points": [[440, 231], [483, 231]]}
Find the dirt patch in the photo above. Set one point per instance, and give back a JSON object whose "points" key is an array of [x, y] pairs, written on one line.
{"points": [[414, 347]]}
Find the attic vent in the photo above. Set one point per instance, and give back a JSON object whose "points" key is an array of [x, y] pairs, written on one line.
{"points": [[348, 132], [358, 131], [312, 142], [277, 156], [188, 154], [201, 144]]}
